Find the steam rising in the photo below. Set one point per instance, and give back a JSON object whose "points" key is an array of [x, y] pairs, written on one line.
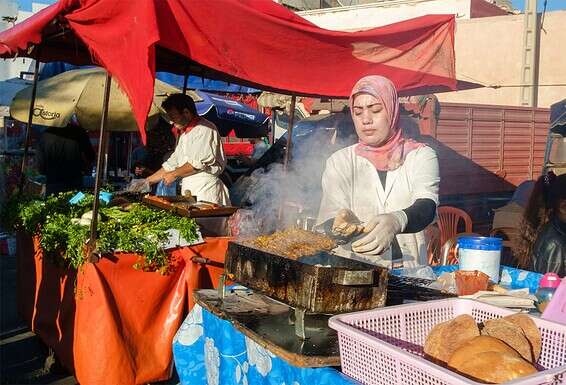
{"points": [[274, 199]]}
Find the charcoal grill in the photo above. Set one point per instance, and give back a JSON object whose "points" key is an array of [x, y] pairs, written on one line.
{"points": [[322, 283]]}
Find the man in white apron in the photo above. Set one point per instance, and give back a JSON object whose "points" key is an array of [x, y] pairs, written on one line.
{"points": [[198, 157], [388, 182]]}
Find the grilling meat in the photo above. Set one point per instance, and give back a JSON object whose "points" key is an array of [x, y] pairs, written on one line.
{"points": [[293, 243]]}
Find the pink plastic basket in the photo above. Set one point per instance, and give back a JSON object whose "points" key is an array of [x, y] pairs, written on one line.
{"points": [[384, 346]]}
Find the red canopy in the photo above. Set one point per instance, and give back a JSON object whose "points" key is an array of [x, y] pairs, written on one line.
{"points": [[252, 42]]}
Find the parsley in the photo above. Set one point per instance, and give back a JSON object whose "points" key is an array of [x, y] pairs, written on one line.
{"points": [[139, 229]]}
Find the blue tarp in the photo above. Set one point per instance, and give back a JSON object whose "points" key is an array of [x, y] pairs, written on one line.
{"points": [[198, 83], [195, 82], [225, 113]]}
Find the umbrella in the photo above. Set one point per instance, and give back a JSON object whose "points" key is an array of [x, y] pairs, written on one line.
{"points": [[80, 93], [228, 115]]}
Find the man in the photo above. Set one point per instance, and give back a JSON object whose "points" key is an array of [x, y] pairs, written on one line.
{"points": [[198, 157], [64, 154]]}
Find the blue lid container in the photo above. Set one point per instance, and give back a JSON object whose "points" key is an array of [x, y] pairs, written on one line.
{"points": [[480, 243]]}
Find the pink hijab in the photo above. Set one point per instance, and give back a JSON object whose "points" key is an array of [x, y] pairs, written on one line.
{"points": [[392, 154]]}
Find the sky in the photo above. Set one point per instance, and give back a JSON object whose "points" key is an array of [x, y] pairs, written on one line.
{"points": [[551, 5]]}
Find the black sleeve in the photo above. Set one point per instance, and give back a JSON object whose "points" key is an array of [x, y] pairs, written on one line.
{"points": [[419, 215]]}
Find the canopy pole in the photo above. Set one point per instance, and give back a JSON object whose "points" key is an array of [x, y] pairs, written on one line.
{"points": [[290, 132], [287, 153], [185, 83], [28, 127], [91, 243]]}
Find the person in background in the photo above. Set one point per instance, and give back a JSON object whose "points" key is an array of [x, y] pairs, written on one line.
{"points": [[260, 148], [198, 157], [385, 186], [542, 244], [160, 145], [64, 155]]}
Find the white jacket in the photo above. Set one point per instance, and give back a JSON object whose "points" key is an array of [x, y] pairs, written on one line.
{"points": [[202, 148], [351, 181]]}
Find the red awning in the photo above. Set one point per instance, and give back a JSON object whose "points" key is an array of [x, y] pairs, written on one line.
{"points": [[252, 42]]}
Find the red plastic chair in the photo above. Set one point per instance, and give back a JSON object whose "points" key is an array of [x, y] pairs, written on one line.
{"points": [[448, 222]]}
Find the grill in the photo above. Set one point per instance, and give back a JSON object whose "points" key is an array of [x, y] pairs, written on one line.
{"points": [[322, 283]]}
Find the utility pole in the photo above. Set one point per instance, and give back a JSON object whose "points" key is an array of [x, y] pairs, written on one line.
{"points": [[529, 68]]}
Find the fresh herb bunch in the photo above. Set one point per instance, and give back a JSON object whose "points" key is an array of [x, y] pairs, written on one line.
{"points": [[135, 228]]}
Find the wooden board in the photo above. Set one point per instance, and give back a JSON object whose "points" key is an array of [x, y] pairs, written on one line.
{"points": [[267, 322], [182, 208]]}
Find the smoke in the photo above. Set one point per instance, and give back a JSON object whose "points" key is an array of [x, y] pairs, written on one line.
{"points": [[274, 198]]}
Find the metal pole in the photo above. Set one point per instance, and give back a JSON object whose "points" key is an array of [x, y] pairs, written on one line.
{"points": [[290, 132], [185, 83], [529, 68], [28, 128], [91, 243], [287, 152]]}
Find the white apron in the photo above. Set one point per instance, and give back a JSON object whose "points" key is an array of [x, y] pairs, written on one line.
{"points": [[351, 181], [202, 149]]}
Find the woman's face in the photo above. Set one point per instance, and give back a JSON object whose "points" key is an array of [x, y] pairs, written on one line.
{"points": [[371, 120]]}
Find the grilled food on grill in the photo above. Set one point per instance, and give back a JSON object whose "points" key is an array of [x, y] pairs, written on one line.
{"points": [[293, 243]]}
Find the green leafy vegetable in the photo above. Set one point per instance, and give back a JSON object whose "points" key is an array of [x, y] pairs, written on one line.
{"points": [[139, 229]]}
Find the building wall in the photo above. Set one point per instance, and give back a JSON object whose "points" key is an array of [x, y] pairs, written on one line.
{"points": [[489, 51], [373, 15], [21, 9]]}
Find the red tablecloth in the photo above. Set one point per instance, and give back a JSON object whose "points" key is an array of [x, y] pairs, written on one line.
{"points": [[107, 322]]}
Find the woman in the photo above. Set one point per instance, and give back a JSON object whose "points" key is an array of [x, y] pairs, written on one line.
{"points": [[198, 158], [542, 245], [386, 183]]}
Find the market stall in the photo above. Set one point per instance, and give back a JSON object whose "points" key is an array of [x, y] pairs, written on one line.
{"points": [[215, 349], [157, 35]]}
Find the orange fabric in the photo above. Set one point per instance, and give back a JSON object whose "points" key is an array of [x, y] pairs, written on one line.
{"points": [[449, 220], [119, 326]]}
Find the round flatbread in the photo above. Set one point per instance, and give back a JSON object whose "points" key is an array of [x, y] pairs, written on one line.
{"points": [[447, 337], [530, 330], [509, 333]]}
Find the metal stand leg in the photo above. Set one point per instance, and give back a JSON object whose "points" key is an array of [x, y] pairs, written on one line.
{"points": [[300, 323], [221, 286]]}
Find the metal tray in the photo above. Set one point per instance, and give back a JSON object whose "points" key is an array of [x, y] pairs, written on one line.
{"points": [[321, 283]]}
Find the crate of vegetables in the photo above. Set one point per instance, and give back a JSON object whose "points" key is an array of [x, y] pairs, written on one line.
{"points": [[451, 341]]}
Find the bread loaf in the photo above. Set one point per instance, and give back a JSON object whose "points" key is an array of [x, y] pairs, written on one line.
{"points": [[530, 330], [477, 345], [446, 337], [509, 333], [495, 367]]}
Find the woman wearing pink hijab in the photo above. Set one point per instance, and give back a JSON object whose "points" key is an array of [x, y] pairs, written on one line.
{"points": [[385, 187]]}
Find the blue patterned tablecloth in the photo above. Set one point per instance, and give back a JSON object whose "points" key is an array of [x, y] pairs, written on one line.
{"points": [[210, 351]]}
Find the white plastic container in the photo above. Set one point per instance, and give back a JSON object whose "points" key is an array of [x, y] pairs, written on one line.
{"points": [[480, 253]]}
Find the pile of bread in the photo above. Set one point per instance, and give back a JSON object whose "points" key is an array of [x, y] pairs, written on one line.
{"points": [[493, 352]]}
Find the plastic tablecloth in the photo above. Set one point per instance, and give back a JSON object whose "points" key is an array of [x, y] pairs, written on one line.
{"points": [[509, 277], [210, 351]]}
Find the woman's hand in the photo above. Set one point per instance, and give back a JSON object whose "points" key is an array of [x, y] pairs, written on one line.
{"points": [[346, 224], [381, 231]]}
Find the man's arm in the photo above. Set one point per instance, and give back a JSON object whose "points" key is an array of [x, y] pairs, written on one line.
{"points": [[156, 176], [180, 172]]}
